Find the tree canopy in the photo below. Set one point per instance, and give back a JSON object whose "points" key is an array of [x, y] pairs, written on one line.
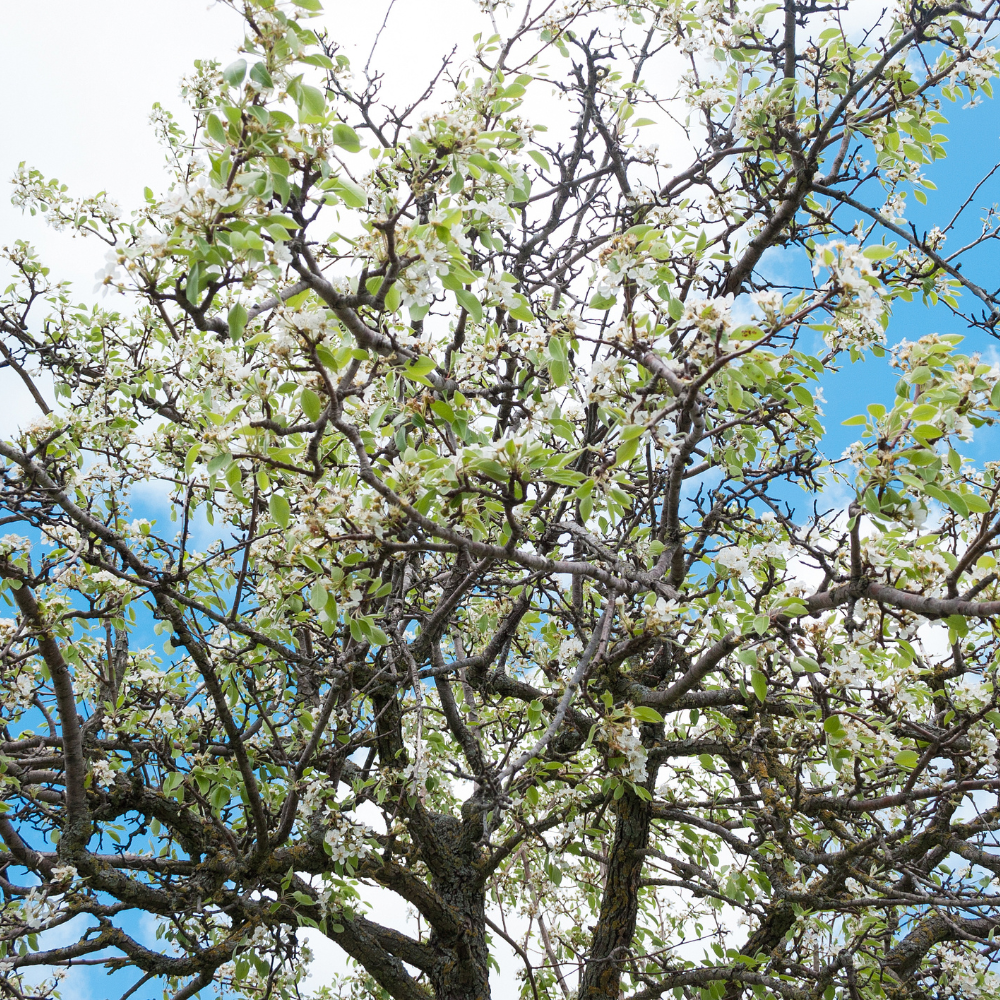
{"points": [[439, 500]]}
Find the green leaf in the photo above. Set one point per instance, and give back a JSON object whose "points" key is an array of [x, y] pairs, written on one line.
{"points": [[934, 491], [353, 196], [191, 458], [216, 130], [793, 606], [193, 281], [345, 137], [879, 252], [470, 303], [311, 99], [523, 311], [907, 758], [234, 73], [318, 597], [311, 405], [645, 714], [734, 394], [832, 724], [956, 502], [377, 636], [559, 370], [280, 510], [759, 682], [976, 503], [539, 159], [602, 302], [219, 463], [853, 421], [439, 406], [418, 369], [626, 451], [318, 59], [172, 783], [285, 221], [802, 395], [237, 321], [926, 432], [261, 77]]}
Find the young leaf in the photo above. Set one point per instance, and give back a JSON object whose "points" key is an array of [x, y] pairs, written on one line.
{"points": [[311, 405], [311, 100], [345, 137], [237, 321], [280, 510], [234, 73], [645, 714]]}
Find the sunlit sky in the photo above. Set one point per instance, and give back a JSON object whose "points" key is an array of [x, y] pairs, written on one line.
{"points": [[86, 73]]}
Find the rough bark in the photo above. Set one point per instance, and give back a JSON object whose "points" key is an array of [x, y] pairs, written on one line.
{"points": [[612, 940]]}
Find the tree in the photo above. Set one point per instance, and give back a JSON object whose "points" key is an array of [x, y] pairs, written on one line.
{"points": [[489, 541]]}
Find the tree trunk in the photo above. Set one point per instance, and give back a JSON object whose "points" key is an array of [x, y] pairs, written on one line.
{"points": [[601, 979], [463, 973]]}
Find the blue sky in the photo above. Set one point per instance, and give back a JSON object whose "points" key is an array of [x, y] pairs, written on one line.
{"points": [[973, 150]]}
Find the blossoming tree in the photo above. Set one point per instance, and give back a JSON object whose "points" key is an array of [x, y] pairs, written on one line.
{"points": [[439, 503]]}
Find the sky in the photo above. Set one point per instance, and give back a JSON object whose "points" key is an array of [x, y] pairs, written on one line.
{"points": [[88, 73]]}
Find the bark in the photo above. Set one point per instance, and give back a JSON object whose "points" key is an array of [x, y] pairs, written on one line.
{"points": [[361, 941], [458, 964], [765, 939], [462, 971], [601, 979], [78, 826]]}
